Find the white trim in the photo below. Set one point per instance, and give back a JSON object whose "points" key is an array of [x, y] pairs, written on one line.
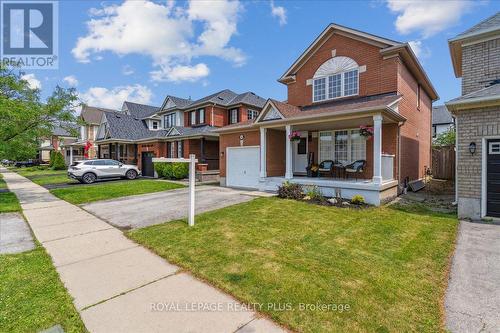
{"points": [[349, 143], [288, 153], [262, 151], [377, 148], [490, 150], [342, 85], [264, 111], [484, 173]]}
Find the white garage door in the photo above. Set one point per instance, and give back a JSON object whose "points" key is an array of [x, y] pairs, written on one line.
{"points": [[242, 167]]}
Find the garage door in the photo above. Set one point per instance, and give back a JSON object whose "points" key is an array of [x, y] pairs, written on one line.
{"points": [[493, 185], [242, 167]]}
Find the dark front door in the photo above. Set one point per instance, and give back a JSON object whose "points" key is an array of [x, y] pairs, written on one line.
{"points": [[493, 179], [147, 164]]}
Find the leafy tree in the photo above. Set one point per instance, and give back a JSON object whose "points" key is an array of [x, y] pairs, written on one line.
{"points": [[25, 118], [446, 138]]}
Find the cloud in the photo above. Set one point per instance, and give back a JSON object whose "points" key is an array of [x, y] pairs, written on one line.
{"points": [[33, 82], [114, 98], [420, 50], [171, 35], [279, 12], [127, 70], [427, 17], [71, 80], [181, 73]]}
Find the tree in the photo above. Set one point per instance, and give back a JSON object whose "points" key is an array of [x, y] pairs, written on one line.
{"points": [[25, 118], [446, 138], [59, 163]]}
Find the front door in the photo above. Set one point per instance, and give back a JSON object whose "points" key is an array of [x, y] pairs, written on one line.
{"points": [[300, 154], [147, 165], [493, 179]]}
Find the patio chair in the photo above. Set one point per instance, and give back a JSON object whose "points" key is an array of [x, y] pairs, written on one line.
{"points": [[326, 167], [356, 168]]}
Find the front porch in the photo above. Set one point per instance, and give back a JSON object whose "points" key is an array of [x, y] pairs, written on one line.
{"points": [[289, 152]]}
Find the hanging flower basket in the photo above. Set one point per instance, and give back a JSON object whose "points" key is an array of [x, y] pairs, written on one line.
{"points": [[294, 136], [366, 131]]}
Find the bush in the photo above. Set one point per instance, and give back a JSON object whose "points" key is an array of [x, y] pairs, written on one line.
{"points": [[314, 193], [58, 162], [358, 199], [51, 158], [172, 170], [290, 191]]}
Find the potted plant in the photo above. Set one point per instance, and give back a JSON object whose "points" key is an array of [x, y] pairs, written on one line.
{"points": [[366, 131], [294, 136]]}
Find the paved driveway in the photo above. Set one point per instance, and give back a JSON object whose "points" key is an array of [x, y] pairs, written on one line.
{"points": [[142, 210], [473, 296]]}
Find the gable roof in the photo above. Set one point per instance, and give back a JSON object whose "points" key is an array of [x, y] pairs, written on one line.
{"points": [[441, 115], [489, 96], [179, 102], [489, 28], [92, 114], [139, 110], [64, 129], [122, 126]]}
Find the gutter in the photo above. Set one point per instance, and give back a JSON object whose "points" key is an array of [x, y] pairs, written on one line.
{"points": [[473, 102]]}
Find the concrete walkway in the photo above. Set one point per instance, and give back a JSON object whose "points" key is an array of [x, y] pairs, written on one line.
{"points": [[15, 235], [117, 285], [473, 296]]}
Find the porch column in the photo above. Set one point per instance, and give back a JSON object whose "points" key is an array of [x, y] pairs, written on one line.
{"points": [[70, 155], [377, 149], [288, 150], [263, 148]]}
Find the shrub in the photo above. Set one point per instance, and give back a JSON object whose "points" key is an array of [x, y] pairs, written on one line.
{"points": [[314, 193], [290, 191], [58, 163], [172, 170], [51, 158], [358, 199]]}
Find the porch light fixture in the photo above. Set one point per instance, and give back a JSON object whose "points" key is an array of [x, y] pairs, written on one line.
{"points": [[472, 148]]}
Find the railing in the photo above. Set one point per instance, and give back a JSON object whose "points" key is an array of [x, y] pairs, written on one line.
{"points": [[387, 167]]}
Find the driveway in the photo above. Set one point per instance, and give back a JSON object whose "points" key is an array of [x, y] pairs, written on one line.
{"points": [[473, 296], [143, 210]]}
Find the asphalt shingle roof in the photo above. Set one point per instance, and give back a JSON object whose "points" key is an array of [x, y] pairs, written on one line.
{"points": [[141, 110], [180, 102], [92, 114], [65, 129], [441, 115], [189, 131], [124, 126], [228, 97], [487, 24], [491, 91]]}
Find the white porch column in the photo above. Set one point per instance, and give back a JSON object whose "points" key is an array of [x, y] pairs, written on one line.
{"points": [[70, 155], [263, 149], [377, 149], [288, 150]]}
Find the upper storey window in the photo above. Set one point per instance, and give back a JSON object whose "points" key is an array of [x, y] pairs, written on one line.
{"points": [[337, 77]]}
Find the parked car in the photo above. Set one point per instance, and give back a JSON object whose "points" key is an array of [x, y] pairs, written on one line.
{"points": [[7, 162], [25, 164], [89, 171]]}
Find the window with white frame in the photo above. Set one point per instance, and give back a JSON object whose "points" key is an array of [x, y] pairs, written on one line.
{"points": [[169, 120], [252, 114], [171, 149], [233, 116], [193, 117], [155, 124], [345, 146], [201, 116], [335, 86], [180, 152]]}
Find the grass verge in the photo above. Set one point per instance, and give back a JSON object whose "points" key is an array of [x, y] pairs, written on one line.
{"points": [[110, 190], [387, 264], [9, 203]]}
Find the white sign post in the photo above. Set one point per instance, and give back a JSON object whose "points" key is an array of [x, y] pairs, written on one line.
{"points": [[191, 163]]}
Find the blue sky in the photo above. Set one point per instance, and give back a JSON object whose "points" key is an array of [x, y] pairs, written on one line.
{"points": [[142, 51]]}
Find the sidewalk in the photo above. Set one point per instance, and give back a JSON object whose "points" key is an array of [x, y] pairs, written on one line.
{"points": [[117, 285]]}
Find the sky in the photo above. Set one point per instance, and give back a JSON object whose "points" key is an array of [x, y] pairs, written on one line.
{"points": [[141, 51]]}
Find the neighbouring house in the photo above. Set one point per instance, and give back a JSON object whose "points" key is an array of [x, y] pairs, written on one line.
{"points": [[176, 129], [352, 97], [475, 55], [442, 120], [84, 147], [62, 135]]}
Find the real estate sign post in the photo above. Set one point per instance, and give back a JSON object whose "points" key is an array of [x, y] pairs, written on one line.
{"points": [[192, 164]]}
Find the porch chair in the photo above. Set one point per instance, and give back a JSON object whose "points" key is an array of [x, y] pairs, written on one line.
{"points": [[356, 168], [326, 167]]}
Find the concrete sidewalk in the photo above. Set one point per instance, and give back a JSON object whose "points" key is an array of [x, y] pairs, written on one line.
{"points": [[117, 285]]}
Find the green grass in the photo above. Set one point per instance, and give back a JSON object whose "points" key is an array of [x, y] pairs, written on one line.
{"points": [[2, 182], [52, 179], [32, 296], [42, 175], [9, 203], [110, 190], [389, 265]]}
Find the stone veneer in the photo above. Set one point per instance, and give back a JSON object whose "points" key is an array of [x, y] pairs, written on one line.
{"points": [[473, 125]]}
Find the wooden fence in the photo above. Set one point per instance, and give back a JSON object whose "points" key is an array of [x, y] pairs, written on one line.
{"points": [[443, 162]]}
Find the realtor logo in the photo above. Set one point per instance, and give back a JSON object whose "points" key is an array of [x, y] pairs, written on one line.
{"points": [[29, 34]]}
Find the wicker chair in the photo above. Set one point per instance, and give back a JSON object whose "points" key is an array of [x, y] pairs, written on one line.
{"points": [[356, 168], [326, 167]]}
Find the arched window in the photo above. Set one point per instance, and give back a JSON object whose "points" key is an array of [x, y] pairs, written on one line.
{"points": [[335, 78]]}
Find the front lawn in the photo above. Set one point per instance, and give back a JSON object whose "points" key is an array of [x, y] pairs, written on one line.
{"points": [[109, 190], [33, 298], [9, 202], [3, 185], [42, 175], [386, 267]]}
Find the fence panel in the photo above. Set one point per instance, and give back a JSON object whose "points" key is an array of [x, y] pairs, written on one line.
{"points": [[443, 162]]}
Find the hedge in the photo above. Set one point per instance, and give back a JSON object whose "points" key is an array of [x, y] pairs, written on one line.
{"points": [[172, 170]]}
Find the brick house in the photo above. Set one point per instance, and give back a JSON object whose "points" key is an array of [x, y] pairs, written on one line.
{"points": [[62, 135], [475, 55], [346, 79], [176, 129]]}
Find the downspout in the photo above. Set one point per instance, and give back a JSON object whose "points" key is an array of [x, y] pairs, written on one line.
{"points": [[456, 161], [399, 157]]}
